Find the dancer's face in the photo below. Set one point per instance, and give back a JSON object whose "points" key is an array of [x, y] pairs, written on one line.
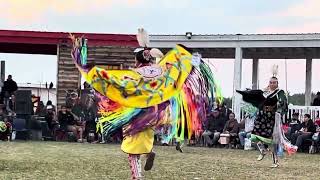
{"points": [[273, 84]]}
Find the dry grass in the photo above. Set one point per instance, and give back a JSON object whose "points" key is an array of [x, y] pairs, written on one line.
{"points": [[54, 160]]}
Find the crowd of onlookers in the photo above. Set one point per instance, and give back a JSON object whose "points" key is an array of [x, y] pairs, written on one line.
{"points": [[76, 121], [7, 113], [221, 128]]}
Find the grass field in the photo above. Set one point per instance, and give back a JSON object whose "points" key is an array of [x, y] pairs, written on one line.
{"points": [[55, 160]]}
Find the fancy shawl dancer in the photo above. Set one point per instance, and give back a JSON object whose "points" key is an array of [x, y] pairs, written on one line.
{"points": [[272, 106], [139, 100]]}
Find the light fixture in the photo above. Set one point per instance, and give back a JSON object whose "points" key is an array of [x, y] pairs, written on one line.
{"points": [[189, 35]]}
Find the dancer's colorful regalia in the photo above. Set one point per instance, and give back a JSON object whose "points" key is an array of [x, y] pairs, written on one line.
{"points": [[272, 106], [138, 100]]}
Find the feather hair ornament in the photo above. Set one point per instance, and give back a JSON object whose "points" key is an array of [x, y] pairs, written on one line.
{"points": [[154, 52], [143, 38], [275, 70]]}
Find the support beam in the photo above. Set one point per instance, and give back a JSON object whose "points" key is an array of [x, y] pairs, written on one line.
{"points": [[2, 73], [255, 73], [308, 82], [236, 100]]}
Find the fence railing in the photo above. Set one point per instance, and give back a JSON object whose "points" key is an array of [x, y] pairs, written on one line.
{"points": [[314, 111]]}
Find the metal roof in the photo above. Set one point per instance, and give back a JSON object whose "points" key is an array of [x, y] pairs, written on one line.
{"points": [[40, 42]]}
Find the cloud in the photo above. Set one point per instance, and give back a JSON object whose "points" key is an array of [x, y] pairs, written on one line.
{"points": [[32, 11], [306, 8], [300, 17], [308, 27]]}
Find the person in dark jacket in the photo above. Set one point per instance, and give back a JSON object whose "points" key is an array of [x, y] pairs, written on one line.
{"points": [[307, 130], [68, 120], [224, 111], [232, 128], [65, 118], [214, 128], [316, 101], [51, 120], [8, 90], [232, 125], [9, 86], [294, 125]]}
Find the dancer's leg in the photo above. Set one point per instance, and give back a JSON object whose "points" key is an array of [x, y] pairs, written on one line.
{"points": [[179, 145], [149, 162], [135, 166], [262, 151], [275, 162]]}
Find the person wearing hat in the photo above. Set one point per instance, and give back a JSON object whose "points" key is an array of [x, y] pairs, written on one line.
{"points": [[316, 101], [51, 119], [214, 127]]}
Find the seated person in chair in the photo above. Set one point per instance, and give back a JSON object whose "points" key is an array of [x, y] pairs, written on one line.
{"points": [[68, 122], [232, 128], [315, 141], [213, 128], [294, 125], [64, 118], [5, 126], [307, 130], [51, 119]]}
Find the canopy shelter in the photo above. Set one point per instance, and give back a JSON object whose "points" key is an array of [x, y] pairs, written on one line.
{"points": [[109, 50], [115, 51], [250, 46]]}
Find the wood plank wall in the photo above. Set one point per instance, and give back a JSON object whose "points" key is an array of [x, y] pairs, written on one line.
{"points": [[109, 57]]}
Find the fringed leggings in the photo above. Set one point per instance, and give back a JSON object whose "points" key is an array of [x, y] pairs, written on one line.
{"points": [[135, 166], [263, 151], [274, 154]]}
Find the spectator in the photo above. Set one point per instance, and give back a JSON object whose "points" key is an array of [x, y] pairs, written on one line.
{"points": [[90, 115], [245, 132], [316, 101], [2, 113], [76, 126], [65, 118], [5, 130], [294, 125], [51, 119], [9, 87], [232, 128], [315, 141], [77, 110], [224, 111], [7, 93], [49, 103], [307, 130], [41, 109], [213, 128]]}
